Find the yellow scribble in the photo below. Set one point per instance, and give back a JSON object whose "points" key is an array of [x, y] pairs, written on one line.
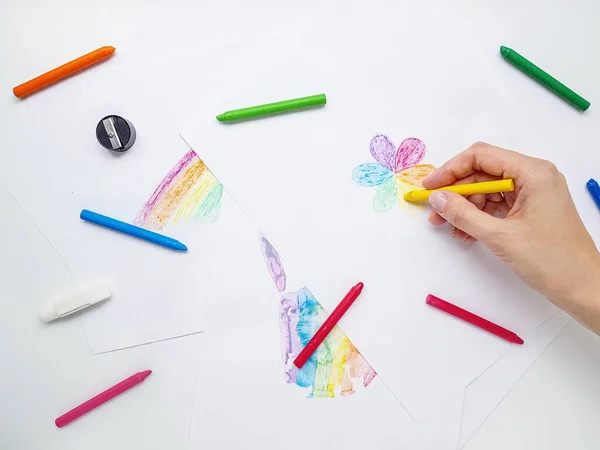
{"points": [[163, 211], [415, 175], [197, 193], [409, 180], [339, 358]]}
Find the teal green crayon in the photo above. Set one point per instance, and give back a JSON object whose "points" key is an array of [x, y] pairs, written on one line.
{"points": [[544, 78], [273, 108]]}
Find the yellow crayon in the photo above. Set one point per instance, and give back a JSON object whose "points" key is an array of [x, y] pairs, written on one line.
{"points": [[486, 187]]}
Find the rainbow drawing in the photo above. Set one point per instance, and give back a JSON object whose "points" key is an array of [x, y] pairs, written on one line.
{"points": [[190, 191], [336, 368]]}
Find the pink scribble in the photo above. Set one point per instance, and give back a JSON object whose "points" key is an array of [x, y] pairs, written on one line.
{"points": [[410, 152]]}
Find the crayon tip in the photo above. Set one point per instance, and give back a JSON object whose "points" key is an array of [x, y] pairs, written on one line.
{"points": [[408, 196], [504, 51], [144, 374], [179, 246], [109, 49], [359, 286], [518, 340], [221, 117], [592, 183]]}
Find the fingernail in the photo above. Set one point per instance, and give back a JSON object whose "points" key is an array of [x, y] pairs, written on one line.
{"points": [[438, 200]]}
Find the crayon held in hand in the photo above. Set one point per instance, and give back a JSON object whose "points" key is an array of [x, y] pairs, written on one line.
{"points": [[486, 187], [544, 78], [273, 108], [64, 71]]}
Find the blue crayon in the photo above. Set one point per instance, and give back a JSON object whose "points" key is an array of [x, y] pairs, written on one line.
{"points": [[594, 190], [132, 230]]}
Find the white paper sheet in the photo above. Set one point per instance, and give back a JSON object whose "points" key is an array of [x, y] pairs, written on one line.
{"points": [[487, 391], [47, 368], [177, 361], [292, 174], [157, 293], [243, 399]]}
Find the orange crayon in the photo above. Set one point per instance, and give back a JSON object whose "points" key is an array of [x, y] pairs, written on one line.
{"points": [[64, 71]]}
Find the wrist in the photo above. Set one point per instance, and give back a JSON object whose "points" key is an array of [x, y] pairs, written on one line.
{"points": [[582, 299]]}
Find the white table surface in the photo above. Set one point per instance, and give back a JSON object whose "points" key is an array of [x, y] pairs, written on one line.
{"points": [[555, 405]]}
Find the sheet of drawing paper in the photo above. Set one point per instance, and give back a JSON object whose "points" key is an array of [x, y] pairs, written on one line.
{"points": [[48, 369], [487, 391], [326, 187], [249, 394], [158, 184], [177, 361], [158, 293]]}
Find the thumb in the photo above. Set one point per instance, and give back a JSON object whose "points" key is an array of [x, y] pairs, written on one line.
{"points": [[463, 214]]}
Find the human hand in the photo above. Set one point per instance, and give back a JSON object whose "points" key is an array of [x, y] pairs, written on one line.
{"points": [[535, 230]]}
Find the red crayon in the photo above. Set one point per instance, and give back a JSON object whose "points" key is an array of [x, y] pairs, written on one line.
{"points": [[101, 398], [328, 325], [473, 319]]}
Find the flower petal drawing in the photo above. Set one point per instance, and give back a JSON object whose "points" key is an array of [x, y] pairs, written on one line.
{"points": [[385, 196], [410, 153], [371, 174], [383, 150], [395, 172], [415, 175]]}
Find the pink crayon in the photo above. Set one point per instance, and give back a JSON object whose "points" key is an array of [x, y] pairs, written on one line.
{"points": [[101, 398]]}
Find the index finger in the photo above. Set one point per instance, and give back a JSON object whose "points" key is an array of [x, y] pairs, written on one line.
{"points": [[483, 157]]}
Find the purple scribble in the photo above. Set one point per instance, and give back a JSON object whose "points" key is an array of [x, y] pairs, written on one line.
{"points": [[164, 186], [274, 264], [383, 150], [288, 321]]}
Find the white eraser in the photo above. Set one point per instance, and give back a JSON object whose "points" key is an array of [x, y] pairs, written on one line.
{"points": [[73, 302]]}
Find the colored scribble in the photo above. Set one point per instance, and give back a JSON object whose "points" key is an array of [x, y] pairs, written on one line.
{"points": [[396, 171], [274, 264], [189, 192], [336, 367]]}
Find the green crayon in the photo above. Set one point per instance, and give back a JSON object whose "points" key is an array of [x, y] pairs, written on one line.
{"points": [[544, 78], [272, 108]]}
